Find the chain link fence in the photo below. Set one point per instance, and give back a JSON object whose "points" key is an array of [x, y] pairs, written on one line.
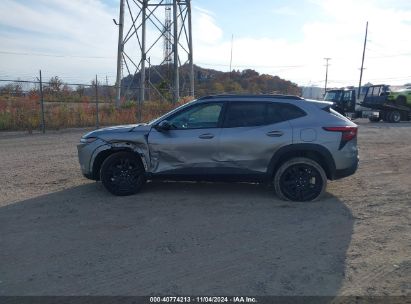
{"points": [[54, 104]]}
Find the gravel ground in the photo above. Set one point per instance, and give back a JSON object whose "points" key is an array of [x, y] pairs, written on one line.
{"points": [[61, 234]]}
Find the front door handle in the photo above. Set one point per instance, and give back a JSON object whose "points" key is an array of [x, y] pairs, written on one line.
{"points": [[206, 136], [275, 133]]}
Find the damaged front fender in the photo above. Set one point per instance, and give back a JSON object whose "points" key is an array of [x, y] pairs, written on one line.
{"points": [[134, 140]]}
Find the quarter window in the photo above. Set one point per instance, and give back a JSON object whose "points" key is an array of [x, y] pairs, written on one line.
{"points": [[287, 111]]}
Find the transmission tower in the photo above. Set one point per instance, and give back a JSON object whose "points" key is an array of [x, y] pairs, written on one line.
{"points": [[145, 26], [168, 44]]}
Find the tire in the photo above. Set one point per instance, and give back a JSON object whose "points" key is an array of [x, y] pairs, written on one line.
{"points": [[384, 116], [300, 179], [395, 117], [122, 173]]}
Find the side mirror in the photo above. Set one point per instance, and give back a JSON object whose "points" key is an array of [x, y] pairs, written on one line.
{"points": [[163, 126]]}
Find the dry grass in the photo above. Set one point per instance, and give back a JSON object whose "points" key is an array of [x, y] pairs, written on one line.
{"points": [[24, 113]]}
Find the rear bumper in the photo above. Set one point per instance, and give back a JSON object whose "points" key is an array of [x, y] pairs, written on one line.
{"points": [[346, 172]]}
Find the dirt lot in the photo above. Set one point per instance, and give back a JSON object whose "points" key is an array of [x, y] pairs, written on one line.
{"points": [[61, 234]]}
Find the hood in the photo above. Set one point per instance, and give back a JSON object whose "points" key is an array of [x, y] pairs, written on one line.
{"points": [[402, 90], [117, 130]]}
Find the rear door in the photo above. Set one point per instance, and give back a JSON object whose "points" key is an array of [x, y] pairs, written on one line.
{"points": [[251, 133], [348, 100]]}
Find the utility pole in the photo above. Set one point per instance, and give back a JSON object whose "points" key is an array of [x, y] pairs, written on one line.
{"points": [[362, 62], [326, 74], [119, 53], [231, 53], [43, 123]]}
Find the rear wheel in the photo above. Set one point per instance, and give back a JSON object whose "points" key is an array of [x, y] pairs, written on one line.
{"points": [[300, 179], [395, 116], [122, 173]]}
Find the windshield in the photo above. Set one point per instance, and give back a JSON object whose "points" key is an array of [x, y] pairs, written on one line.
{"points": [[332, 96], [158, 119]]}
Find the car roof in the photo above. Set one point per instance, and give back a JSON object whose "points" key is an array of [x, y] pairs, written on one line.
{"points": [[222, 97]]}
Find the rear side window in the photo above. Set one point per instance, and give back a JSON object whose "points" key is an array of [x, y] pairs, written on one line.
{"points": [[245, 114], [248, 114]]}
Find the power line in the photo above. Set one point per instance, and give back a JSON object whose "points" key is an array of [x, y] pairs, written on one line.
{"points": [[391, 56], [54, 55], [251, 66]]}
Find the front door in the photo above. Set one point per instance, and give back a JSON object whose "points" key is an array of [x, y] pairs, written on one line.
{"points": [[190, 147], [376, 95]]}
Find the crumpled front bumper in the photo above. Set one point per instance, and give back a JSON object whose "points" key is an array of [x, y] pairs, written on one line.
{"points": [[86, 155]]}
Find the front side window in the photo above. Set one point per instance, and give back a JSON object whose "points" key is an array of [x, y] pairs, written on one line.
{"points": [[347, 96], [375, 91], [197, 117], [332, 96]]}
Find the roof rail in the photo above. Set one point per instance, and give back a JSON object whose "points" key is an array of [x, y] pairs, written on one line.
{"points": [[278, 96]]}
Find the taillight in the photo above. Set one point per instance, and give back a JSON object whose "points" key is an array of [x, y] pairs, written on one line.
{"points": [[347, 133]]}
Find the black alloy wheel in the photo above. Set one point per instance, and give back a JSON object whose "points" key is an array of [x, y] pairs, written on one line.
{"points": [[301, 180], [123, 173]]}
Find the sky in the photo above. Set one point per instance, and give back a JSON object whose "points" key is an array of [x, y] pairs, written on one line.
{"points": [[77, 39]]}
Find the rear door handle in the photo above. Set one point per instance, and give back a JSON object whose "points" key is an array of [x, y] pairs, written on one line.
{"points": [[275, 133], [206, 136]]}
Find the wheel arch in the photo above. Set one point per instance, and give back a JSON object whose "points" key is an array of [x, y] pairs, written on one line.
{"points": [[102, 155], [312, 151]]}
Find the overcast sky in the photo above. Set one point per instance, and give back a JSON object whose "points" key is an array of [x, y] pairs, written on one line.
{"points": [[77, 39]]}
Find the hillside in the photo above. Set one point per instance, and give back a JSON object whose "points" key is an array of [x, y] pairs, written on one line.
{"points": [[209, 81]]}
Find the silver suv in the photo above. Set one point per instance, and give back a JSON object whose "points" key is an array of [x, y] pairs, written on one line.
{"points": [[294, 143]]}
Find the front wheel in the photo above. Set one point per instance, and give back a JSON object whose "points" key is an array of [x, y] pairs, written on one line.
{"points": [[122, 173], [300, 179]]}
